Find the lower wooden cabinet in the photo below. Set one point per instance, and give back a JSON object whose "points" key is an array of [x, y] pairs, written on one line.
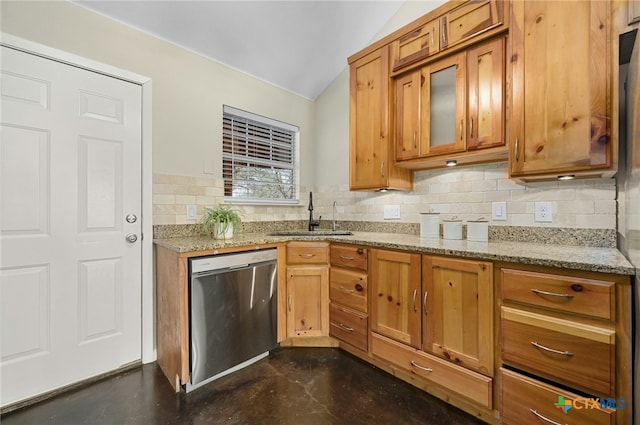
{"points": [[458, 316], [396, 295], [349, 295], [474, 386], [307, 289], [349, 326], [569, 332], [528, 401], [575, 354]]}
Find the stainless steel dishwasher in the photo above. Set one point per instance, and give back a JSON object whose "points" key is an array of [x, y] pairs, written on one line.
{"points": [[233, 312]]}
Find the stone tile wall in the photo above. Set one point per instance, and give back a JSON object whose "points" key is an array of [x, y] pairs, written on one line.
{"points": [[464, 192]]}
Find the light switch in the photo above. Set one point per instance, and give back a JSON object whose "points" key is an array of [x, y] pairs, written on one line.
{"points": [[391, 212], [498, 211], [191, 212]]}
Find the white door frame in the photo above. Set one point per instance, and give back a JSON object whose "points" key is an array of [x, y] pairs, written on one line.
{"points": [[148, 298]]}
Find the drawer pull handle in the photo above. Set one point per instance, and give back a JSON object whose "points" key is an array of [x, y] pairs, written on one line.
{"points": [[415, 292], [553, 294], [346, 328], [346, 290], [551, 350], [543, 418], [426, 369], [346, 258], [424, 301], [306, 255]]}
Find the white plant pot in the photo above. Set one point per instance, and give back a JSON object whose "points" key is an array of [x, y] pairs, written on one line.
{"points": [[222, 231]]}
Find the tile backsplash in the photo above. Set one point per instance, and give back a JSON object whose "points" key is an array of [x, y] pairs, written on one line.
{"points": [[465, 192]]}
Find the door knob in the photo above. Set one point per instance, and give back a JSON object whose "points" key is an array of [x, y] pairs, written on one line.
{"points": [[131, 238], [131, 218]]}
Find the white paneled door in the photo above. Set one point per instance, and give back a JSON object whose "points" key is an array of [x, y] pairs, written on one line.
{"points": [[70, 205]]}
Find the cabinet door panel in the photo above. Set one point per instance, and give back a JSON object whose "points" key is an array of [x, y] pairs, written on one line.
{"points": [[561, 98], [370, 146], [307, 301], [443, 106], [407, 116], [458, 322], [395, 303], [485, 65], [368, 122]]}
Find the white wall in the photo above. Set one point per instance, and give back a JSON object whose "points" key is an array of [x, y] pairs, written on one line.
{"points": [[188, 90]]}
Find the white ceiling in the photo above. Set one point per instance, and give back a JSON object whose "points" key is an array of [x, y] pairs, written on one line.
{"points": [[301, 46]]}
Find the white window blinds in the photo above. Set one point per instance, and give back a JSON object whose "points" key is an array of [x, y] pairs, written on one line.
{"points": [[258, 158]]}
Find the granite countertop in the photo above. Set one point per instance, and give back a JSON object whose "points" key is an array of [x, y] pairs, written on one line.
{"points": [[608, 260]]}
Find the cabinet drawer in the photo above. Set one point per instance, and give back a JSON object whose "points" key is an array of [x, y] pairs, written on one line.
{"points": [[474, 386], [568, 352], [417, 45], [527, 401], [348, 326], [589, 297], [307, 253], [349, 256], [470, 19], [348, 288]]}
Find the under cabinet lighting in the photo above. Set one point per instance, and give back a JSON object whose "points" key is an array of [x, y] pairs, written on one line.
{"points": [[382, 190], [451, 163], [567, 177]]}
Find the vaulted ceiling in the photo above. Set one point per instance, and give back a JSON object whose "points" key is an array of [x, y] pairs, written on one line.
{"points": [[301, 46]]}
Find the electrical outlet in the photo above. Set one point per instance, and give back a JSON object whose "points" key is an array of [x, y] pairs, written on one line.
{"points": [[543, 213], [191, 212], [498, 211], [391, 212]]}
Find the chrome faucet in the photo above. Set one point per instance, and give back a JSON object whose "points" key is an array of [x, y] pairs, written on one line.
{"points": [[312, 223], [334, 222]]}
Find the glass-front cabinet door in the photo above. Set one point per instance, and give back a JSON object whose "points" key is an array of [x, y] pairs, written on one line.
{"points": [[443, 104]]}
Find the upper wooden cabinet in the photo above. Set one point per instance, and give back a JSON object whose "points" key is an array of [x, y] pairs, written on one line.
{"points": [[454, 105], [485, 95], [371, 155], [416, 45], [469, 20], [561, 95], [430, 109], [452, 24]]}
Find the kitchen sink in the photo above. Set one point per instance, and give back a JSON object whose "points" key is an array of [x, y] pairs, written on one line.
{"points": [[311, 233]]}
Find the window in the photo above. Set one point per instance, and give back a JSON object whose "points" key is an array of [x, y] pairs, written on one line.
{"points": [[258, 158]]}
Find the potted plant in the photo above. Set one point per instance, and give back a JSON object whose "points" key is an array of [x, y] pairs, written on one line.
{"points": [[220, 221]]}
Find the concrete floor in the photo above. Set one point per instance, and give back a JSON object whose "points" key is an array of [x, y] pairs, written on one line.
{"points": [[293, 386]]}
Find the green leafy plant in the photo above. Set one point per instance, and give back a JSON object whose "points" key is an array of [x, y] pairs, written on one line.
{"points": [[220, 220]]}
